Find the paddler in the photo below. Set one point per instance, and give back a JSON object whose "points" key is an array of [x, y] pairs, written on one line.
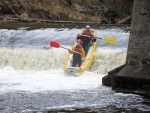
{"points": [[78, 55], [86, 36]]}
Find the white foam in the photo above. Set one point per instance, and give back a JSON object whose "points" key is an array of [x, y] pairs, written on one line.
{"points": [[108, 59], [32, 59], [42, 70], [35, 81], [41, 60], [22, 70]]}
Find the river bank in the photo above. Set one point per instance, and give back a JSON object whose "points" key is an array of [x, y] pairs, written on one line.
{"points": [[104, 12]]}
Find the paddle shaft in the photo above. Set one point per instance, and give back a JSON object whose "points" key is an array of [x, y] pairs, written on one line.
{"points": [[109, 40], [98, 38], [57, 45], [70, 50]]}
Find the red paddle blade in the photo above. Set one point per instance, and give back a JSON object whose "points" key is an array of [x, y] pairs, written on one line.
{"points": [[54, 44]]}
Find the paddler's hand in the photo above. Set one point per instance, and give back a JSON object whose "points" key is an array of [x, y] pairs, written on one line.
{"points": [[69, 50]]}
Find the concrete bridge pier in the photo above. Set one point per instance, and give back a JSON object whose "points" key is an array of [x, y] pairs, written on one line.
{"points": [[135, 75]]}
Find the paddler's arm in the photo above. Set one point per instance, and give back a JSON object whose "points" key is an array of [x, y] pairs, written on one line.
{"points": [[71, 50], [91, 37]]}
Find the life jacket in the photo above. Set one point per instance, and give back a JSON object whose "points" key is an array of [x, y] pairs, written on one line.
{"points": [[87, 33], [78, 49]]}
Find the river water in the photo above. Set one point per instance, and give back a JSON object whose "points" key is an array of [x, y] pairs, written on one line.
{"points": [[32, 77]]}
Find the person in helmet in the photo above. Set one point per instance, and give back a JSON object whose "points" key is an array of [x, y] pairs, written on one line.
{"points": [[86, 36], [78, 55]]}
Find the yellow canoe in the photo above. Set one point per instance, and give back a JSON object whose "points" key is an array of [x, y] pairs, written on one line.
{"points": [[85, 64]]}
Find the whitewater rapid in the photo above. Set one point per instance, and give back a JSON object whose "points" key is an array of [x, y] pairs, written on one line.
{"points": [[32, 78], [42, 70], [28, 63]]}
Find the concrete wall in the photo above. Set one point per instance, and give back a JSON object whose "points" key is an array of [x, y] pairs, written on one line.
{"points": [[135, 75], [139, 41]]}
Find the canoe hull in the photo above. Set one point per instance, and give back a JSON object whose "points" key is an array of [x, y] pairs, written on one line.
{"points": [[85, 64]]}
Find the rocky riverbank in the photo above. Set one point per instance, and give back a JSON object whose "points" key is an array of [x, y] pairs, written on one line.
{"points": [[102, 11]]}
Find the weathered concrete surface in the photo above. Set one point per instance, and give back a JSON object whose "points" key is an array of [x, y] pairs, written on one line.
{"points": [[134, 79], [135, 76], [139, 41], [109, 79]]}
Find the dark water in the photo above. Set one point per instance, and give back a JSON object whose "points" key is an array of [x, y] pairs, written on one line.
{"points": [[96, 100]]}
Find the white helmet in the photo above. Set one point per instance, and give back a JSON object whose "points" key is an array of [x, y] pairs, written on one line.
{"points": [[88, 26]]}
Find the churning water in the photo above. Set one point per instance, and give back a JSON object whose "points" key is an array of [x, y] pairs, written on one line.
{"points": [[32, 76]]}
